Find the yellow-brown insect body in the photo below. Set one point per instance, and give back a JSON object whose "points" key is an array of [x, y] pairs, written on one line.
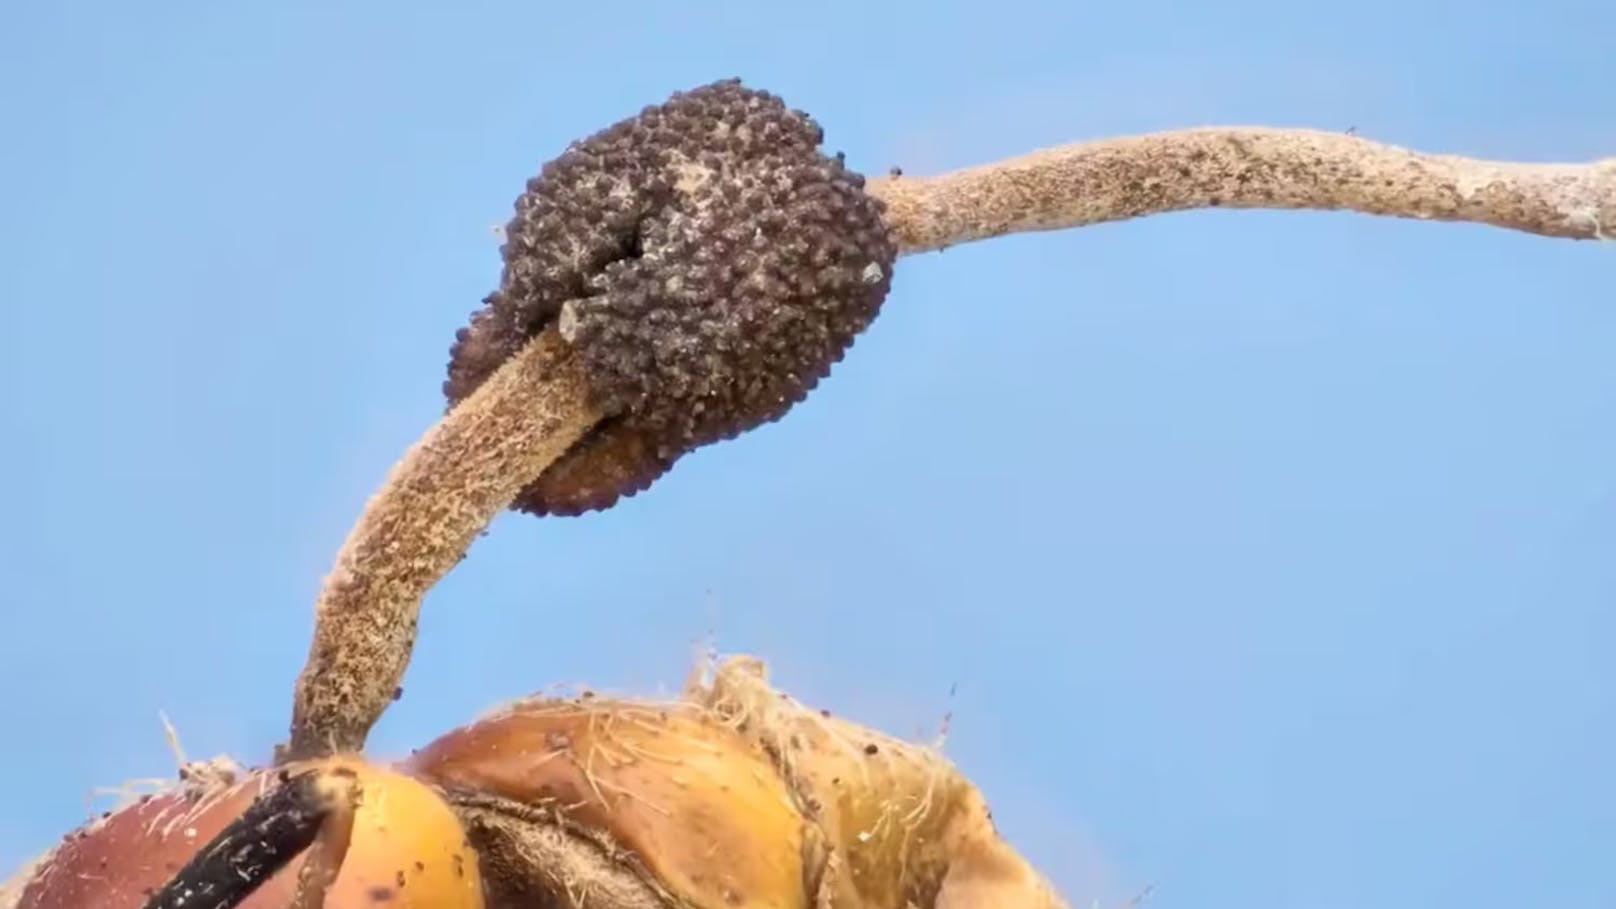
{"points": [[662, 802], [736, 796], [901, 826]]}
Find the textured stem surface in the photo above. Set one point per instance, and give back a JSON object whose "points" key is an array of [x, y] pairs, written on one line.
{"points": [[448, 487], [476, 461], [1239, 167]]}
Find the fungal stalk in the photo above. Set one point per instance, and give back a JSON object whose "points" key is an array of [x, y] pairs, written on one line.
{"points": [[1251, 167], [689, 273], [675, 280], [450, 485], [692, 272]]}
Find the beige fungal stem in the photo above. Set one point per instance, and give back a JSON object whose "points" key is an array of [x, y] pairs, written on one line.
{"points": [[473, 464], [1244, 167], [438, 498]]}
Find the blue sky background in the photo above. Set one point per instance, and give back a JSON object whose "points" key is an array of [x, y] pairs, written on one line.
{"points": [[1270, 553]]}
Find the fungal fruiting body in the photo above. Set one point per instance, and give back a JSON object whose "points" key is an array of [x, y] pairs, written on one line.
{"points": [[405, 849], [710, 265], [674, 280]]}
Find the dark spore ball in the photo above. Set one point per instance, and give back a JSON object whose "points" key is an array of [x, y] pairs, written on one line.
{"points": [[709, 264]]}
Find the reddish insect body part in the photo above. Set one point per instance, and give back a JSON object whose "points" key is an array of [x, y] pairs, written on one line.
{"points": [[407, 850], [117, 862]]}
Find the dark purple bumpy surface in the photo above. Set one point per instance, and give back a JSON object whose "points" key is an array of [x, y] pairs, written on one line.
{"points": [[714, 266]]}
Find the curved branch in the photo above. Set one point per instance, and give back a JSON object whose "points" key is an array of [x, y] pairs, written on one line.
{"points": [[1244, 167], [440, 496]]}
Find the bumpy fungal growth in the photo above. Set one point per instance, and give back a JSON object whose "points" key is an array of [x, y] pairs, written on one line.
{"points": [[709, 264]]}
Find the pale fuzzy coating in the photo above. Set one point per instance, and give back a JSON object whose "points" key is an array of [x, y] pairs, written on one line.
{"points": [[1243, 167], [734, 796], [451, 483], [901, 824], [544, 864]]}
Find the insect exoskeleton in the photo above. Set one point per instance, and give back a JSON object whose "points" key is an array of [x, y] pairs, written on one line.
{"points": [[405, 849], [732, 797], [625, 804]]}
